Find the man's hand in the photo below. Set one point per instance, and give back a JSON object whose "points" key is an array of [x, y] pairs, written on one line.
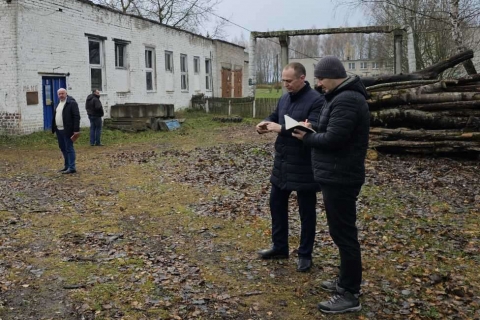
{"points": [[262, 127], [306, 124], [275, 127], [299, 134]]}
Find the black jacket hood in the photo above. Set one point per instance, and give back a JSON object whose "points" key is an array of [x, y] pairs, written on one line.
{"points": [[92, 96], [352, 83]]}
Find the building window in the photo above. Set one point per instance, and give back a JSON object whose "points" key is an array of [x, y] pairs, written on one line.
{"points": [[196, 65], [169, 61], [208, 74], [120, 55], [95, 52], [363, 65], [184, 71], [375, 65], [351, 65], [150, 68]]}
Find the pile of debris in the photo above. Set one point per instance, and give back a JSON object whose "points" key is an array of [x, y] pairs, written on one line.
{"points": [[420, 113], [134, 117]]}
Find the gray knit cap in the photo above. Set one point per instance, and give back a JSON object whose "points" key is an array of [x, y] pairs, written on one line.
{"points": [[330, 67]]}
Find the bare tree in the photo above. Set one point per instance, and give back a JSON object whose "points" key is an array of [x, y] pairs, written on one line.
{"points": [[305, 46], [126, 6], [188, 15], [266, 61], [241, 40], [457, 34], [433, 23]]}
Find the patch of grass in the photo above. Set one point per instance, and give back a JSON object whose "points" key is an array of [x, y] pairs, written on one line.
{"points": [[382, 201], [37, 139], [267, 93], [195, 122]]}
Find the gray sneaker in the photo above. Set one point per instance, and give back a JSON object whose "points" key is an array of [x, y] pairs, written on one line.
{"points": [[342, 301], [331, 286]]}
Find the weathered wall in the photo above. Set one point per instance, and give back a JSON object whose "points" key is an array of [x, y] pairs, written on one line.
{"points": [[9, 113], [230, 57], [52, 40]]}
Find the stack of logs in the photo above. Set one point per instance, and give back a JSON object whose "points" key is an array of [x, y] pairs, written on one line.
{"points": [[421, 113]]}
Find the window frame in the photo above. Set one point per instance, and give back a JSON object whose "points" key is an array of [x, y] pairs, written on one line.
{"points": [[150, 68], [169, 67], [208, 74], [363, 65], [123, 45], [184, 72], [196, 65], [351, 66], [97, 66], [375, 65]]}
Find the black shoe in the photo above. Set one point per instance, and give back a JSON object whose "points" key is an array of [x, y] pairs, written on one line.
{"points": [[272, 254], [304, 264], [92, 145], [69, 171], [63, 170]]}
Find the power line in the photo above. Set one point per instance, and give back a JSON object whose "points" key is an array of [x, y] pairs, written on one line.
{"points": [[246, 29]]}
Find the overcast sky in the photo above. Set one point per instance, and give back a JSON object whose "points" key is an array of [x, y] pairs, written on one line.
{"points": [[264, 15]]}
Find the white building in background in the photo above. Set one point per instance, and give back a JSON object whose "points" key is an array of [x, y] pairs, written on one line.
{"points": [[48, 44], [362, 68]]}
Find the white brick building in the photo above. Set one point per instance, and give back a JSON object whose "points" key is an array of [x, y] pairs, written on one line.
{"points": [[46, 44], [362, 68]]}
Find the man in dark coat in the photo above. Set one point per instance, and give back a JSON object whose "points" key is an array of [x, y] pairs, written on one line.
{"points": [[66, 124], [94, 108], [338, 155], [292, 168]]}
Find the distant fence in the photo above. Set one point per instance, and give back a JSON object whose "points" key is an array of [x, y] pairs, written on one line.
{"points": [[243, 107]]}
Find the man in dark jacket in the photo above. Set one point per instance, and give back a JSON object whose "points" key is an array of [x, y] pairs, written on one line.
{"points": [[292, 169], [66, 124], [94, 108], [338, 155]]}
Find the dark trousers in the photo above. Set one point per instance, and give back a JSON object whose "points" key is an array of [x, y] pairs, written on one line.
{"points": [[307, 201], [65, 144], [95, 130], [341, 210]]}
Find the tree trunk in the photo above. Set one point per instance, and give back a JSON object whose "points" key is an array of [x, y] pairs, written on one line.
{"points": [[431, 72], [458, 35], [384, 99], [429, 135], [394, 118], [426, 147]]}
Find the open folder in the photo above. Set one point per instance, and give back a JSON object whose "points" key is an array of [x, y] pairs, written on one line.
{"points": [[291, 124]]}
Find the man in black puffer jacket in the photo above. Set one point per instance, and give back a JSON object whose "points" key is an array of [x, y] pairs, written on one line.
{"points": [[94, 108], [292, 168], [338, 154]]}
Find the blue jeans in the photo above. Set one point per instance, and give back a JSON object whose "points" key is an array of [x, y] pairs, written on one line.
{"points": [[95, 130], [66, 146], [307, 201]]}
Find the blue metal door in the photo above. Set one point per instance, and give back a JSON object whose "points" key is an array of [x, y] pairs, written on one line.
{"points": [[50, 85]]}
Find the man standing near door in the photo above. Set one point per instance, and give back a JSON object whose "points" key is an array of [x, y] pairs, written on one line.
{"points": [[66, 124], [95, 113]]}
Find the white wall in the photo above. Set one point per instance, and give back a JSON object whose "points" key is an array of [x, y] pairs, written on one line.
{"points": [[9, 113], [52, 40]]}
